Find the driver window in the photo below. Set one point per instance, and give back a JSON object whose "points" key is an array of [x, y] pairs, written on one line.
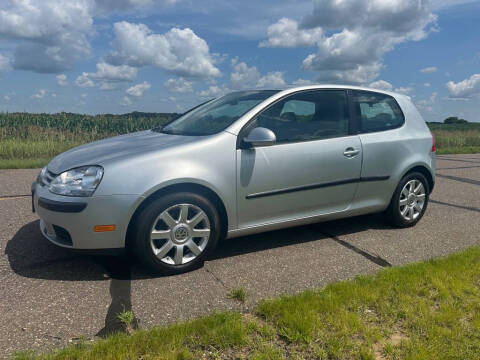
{"points": [[309, 115]]}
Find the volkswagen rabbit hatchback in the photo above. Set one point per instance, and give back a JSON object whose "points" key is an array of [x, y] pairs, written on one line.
{"points": [[247, 162]]}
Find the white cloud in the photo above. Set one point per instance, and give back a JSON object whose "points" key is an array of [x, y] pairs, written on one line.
{"points": [[41, 93], [381, 85], [245, 77], [353, 36], [179, 51], [51, 34], [466, 88], [115, 5], [431, 100], [139, 89], [404, 90], [273, 79], [212, 92], [62, 80], [179, 85], [126, 101], [302, 82], [84, 80], [107, 6], [427, 84], [4, 63], [386, 86], [285, 33], [107, 76], [429, 70], [427, 104]]}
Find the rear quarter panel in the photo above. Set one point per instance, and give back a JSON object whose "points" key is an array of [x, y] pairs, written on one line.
{"points": [[393, 153]]}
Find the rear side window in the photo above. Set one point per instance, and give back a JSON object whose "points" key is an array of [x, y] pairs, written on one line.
{"points": [[376, 112]]}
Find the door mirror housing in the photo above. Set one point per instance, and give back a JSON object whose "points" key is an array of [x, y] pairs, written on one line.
{"points": [[259, 136]]}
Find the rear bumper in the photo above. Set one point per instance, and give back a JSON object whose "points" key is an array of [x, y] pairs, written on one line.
{"points": [[69, 221]]}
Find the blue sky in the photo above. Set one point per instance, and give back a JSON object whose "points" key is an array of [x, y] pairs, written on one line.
{"points": [[116, 56]]}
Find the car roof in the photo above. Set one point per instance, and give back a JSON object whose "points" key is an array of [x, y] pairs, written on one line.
{"points": [[293, 89]]}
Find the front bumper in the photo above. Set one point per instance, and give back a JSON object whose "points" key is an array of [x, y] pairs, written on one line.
{"points": [[69, 221]]}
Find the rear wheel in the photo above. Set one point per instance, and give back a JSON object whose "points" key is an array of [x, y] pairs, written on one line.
{"points": [[409, 201], [175, 233]]}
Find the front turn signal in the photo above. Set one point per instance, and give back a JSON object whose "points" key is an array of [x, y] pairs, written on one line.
{"points": [[104, 228]]}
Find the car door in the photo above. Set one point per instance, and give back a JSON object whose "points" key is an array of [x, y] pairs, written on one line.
{"points": [[312, 169]]}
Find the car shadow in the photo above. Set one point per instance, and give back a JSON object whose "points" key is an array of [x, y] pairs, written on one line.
{"points": [[297, 235], [32, 256]]}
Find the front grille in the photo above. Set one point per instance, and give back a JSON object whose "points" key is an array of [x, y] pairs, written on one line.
{"points": [[62, 236]]}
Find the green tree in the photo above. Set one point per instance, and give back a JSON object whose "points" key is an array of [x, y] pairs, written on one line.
{"points": [[454, 120]]}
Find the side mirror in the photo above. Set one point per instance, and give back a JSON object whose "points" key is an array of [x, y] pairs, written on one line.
{"points": [[260, 137]]}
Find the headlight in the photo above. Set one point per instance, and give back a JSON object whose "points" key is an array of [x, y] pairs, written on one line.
{"points": [[82, 181]]}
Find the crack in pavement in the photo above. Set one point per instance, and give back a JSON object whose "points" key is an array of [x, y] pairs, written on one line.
{"points": [[454, 205], [459, 167], [375, 258], [459, 160], [215, 277], [461, 179], [13, 197]]}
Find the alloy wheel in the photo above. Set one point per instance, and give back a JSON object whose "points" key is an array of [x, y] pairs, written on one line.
{"points": [[412, 200], [180, 234]]}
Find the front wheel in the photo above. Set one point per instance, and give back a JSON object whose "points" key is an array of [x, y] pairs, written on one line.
{"points": [[409, 201], [175, 233]]}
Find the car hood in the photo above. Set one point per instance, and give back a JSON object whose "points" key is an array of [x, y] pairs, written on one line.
{"points": [[103, 151]]}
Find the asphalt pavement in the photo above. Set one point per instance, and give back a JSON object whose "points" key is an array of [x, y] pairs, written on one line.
{"points": [[50, 297]]}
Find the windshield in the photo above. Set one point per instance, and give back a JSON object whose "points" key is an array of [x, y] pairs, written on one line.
{"points": [[217, 115]]}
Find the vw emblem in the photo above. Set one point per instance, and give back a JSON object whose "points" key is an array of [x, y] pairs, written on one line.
{"points": [[181, 233]]}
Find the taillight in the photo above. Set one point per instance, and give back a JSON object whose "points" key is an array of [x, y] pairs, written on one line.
{"points": [[434, 143]]}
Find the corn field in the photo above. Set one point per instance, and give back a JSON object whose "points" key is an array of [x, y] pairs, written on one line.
{"points": [[31, 140], [28, 140]]}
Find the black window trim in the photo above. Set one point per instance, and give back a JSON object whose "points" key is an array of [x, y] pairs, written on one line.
{"points": [[357, 121], [243, 132]]}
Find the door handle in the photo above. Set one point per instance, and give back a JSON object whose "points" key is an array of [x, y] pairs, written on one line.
{"points": [[351, 152]]}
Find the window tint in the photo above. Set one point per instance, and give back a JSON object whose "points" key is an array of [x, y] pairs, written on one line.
{"points": [[376, 112], [311, 115]]}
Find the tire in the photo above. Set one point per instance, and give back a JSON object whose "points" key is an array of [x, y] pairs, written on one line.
{"points": [[403, 202], [158, 238]]}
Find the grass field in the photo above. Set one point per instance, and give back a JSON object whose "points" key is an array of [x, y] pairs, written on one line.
{"points": [[429, 310], [31, 140]]}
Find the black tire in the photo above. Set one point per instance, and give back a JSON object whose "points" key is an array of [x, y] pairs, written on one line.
{"points": [[144, 223], [393, 211]]}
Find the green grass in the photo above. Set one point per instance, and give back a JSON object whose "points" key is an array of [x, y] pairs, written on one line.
{"points": [[23, 163], [458, 150], [239, 294], [429, 310]]}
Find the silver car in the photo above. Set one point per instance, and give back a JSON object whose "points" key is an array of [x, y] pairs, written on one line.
{"points": [[247, 162]]}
